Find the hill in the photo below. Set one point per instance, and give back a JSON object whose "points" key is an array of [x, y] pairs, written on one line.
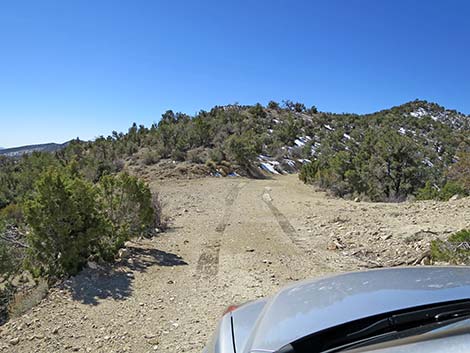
{"points": [[418, 149], [387, 155], [19, 151]]}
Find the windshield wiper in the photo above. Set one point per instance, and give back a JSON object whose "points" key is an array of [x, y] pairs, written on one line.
{"points": [[395, 335], [399, 322], [382, 327]]}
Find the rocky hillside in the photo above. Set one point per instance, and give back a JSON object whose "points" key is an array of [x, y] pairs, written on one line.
{"points": [[384, 156], [437, 129], [387, 155]]}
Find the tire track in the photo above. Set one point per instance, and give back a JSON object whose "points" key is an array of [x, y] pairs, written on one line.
{"points": [[208, 263], [284, 223]]}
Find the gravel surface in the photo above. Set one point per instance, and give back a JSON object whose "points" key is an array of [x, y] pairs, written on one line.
{"points": [[231, 240]]}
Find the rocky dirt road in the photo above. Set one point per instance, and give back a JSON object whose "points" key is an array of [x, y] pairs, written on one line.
{"points": [[231, 240]]}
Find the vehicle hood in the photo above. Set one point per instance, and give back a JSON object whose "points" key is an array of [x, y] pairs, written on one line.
{"points": [[311, 306]]}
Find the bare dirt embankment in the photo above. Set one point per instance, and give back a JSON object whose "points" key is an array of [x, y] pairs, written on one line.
{"points": [[231, 240]]}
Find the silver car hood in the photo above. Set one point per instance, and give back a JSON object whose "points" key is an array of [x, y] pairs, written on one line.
{"points": [[311, 306]]}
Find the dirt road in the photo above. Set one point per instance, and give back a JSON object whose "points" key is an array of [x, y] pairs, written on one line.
{"points": [[231, 240]]}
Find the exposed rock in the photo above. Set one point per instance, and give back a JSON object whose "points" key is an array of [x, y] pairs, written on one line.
{"points": [[14, 341], [123, 253], [455, 197]]}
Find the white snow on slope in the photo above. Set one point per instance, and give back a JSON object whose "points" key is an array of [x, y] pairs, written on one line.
{"points": [[269, 168]]}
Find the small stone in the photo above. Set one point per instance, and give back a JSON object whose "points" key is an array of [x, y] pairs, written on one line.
{"points": [[92, 265], [14, 341], [455, 197], [123, 253]]}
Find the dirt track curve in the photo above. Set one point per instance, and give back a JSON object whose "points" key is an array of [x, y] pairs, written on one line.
{"points": [[231, 240]]}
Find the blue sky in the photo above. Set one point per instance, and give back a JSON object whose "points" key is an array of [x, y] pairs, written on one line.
{"points": [[87, 67]]}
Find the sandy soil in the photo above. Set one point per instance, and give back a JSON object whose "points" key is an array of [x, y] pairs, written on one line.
{"points": [[231, 240]]}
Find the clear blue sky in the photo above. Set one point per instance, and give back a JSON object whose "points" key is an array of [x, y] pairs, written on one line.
{"points": [[84, 68]]}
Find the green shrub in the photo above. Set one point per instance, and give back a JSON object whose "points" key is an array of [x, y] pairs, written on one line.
{"points": [[243, 148], [273, 105], [12, 214], [450, 189], [217, 155], [460, 171], [126, 202], [308, 173], [6, 294], [195, 156], [178, 155], [72, 220], [456, 250], [66, 224], [428, 192], [8, 261], [151, 157]]}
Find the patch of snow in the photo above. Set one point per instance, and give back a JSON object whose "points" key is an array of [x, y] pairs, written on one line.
{"points": [[428, 162], [290, 162], [402, 131], [315, 147], [420, 112], [328, 127], [304, 161], [302, 140], [269, 168], [262, 157], [346, 136]]}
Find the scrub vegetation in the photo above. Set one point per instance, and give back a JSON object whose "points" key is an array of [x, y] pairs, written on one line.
{"points": [[60, 210], [455, 250]]}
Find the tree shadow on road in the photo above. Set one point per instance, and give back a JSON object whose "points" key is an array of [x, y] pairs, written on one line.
{"points": [[92, 285]]}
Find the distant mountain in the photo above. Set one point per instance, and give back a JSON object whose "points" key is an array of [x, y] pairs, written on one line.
{"points": [[19, 151]]}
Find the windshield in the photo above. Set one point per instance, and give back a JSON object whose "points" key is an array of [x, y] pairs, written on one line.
{"points": [[385, 327]]}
